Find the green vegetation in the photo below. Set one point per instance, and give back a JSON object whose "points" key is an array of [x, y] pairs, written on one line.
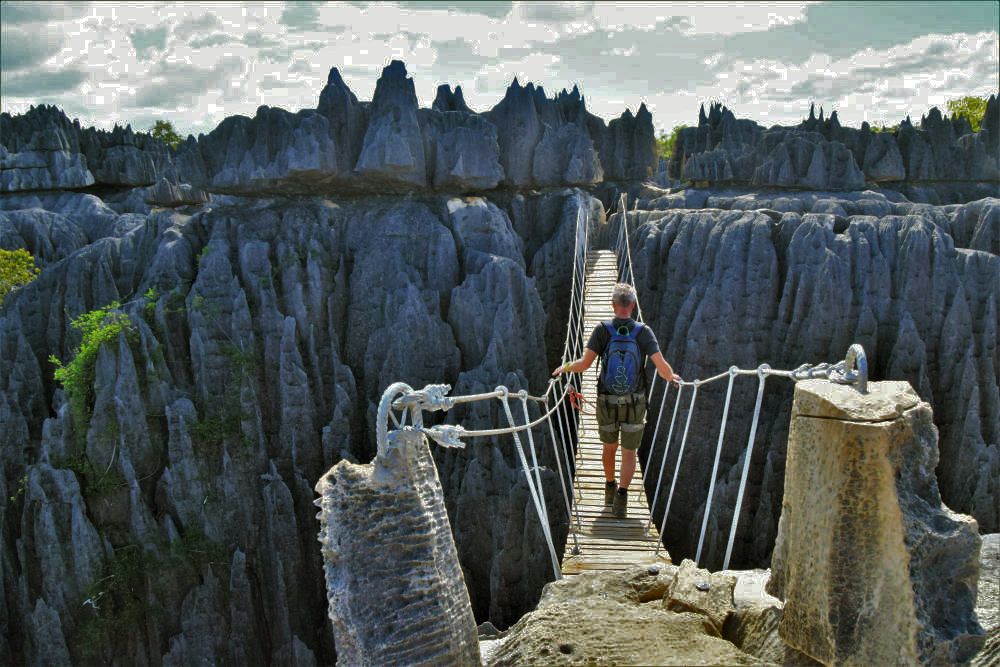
{"points": [[93, 483], [164, 130], [971, 108], [891, 129], [665, 142], [98, 327], [21, 486], [120, 598], [116, 599], [149, 308], [226, 419], [17, 269], [212, 430]]}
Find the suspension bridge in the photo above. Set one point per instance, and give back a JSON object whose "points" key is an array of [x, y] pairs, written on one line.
{"points": [[561, 419]]}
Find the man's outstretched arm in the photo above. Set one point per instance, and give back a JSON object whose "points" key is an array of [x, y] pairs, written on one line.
{"points": [[663, 369], [579, 365]]}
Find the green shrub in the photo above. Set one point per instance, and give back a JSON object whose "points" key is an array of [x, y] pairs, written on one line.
{"points": [[93, 483], [119, 598], [149, 307], [665, 142], [164, 131], [17, 269], [98, 327], [22, 484], [973, 109]]}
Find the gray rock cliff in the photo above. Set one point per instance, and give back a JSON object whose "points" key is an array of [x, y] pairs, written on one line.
{"points": [[939, 159], [745, 287], [253, 367]]}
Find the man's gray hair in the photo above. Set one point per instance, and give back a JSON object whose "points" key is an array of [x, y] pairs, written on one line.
{"points": [[624, 294]]}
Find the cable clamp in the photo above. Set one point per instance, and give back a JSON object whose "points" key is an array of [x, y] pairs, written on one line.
{"points": [[447, 435]]}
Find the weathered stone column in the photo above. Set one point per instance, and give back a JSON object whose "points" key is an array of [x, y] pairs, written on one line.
{"points": [[873, 568], [394, 584]]}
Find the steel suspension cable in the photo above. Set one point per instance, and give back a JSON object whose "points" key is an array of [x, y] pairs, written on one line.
{"points": [[535, 493], [663, 461], [762, 378], [562, 482], [680, 456], [523, 395], [715, 465], [656, 430]]}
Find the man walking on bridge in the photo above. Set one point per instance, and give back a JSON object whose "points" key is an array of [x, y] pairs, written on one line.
{"points": [[623, 345]]}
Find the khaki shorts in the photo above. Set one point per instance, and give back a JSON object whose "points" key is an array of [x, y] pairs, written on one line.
{"points": [[621, 414]]}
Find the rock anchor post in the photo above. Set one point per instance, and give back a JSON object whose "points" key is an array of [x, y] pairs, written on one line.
{"points": [[873, 568], [395, 588]]}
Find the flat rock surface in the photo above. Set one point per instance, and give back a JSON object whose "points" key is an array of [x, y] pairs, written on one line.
{"points": [[827, 400], [615, 618], [598, 632]]}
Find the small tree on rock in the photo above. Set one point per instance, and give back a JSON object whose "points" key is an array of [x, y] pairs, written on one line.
{"points": [[665, 142], [17, 268], [971, 108], [164, 131]]}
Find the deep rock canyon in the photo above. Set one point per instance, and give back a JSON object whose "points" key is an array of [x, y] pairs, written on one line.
{"points": [[282, 270]]}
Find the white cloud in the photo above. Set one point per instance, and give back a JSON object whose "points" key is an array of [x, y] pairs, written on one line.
{"points": [[699, 18], [872, 85], [207, 61]]}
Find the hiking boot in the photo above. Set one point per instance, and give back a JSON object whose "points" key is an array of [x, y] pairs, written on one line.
{"points": [[609, 492], [619, 508]]}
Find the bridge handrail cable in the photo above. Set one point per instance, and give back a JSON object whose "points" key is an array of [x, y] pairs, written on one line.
{"points": [[403, 398]]}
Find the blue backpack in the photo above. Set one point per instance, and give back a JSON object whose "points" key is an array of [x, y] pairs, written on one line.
{"points": [[621, 362]]}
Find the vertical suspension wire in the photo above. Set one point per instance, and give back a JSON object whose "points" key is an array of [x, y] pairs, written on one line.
{"points": [[570, 507], [761, 379], [656, 430], [523, 395], [677, 468], [565, 435], [663, 461], [715, 465], [535, 493], [574, 324]]}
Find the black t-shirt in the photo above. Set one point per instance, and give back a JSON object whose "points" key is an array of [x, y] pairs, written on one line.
{"points": [[600, 338]]}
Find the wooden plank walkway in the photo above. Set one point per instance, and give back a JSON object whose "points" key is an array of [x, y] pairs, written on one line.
{"points": [[606, 543]]}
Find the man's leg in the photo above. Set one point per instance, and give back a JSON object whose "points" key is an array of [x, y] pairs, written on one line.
{"points": [[608, 460], [628, 467], [630, 440]]}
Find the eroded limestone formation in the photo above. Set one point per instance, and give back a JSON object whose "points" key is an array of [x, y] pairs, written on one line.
{"points": [[264, 328], [260, 328], [754, 285], [821, 154], [394, 583], [44, 150], [873, 568]]}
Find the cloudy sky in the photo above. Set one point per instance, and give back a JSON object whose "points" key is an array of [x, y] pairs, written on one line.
{"points": [[196, 63]]}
